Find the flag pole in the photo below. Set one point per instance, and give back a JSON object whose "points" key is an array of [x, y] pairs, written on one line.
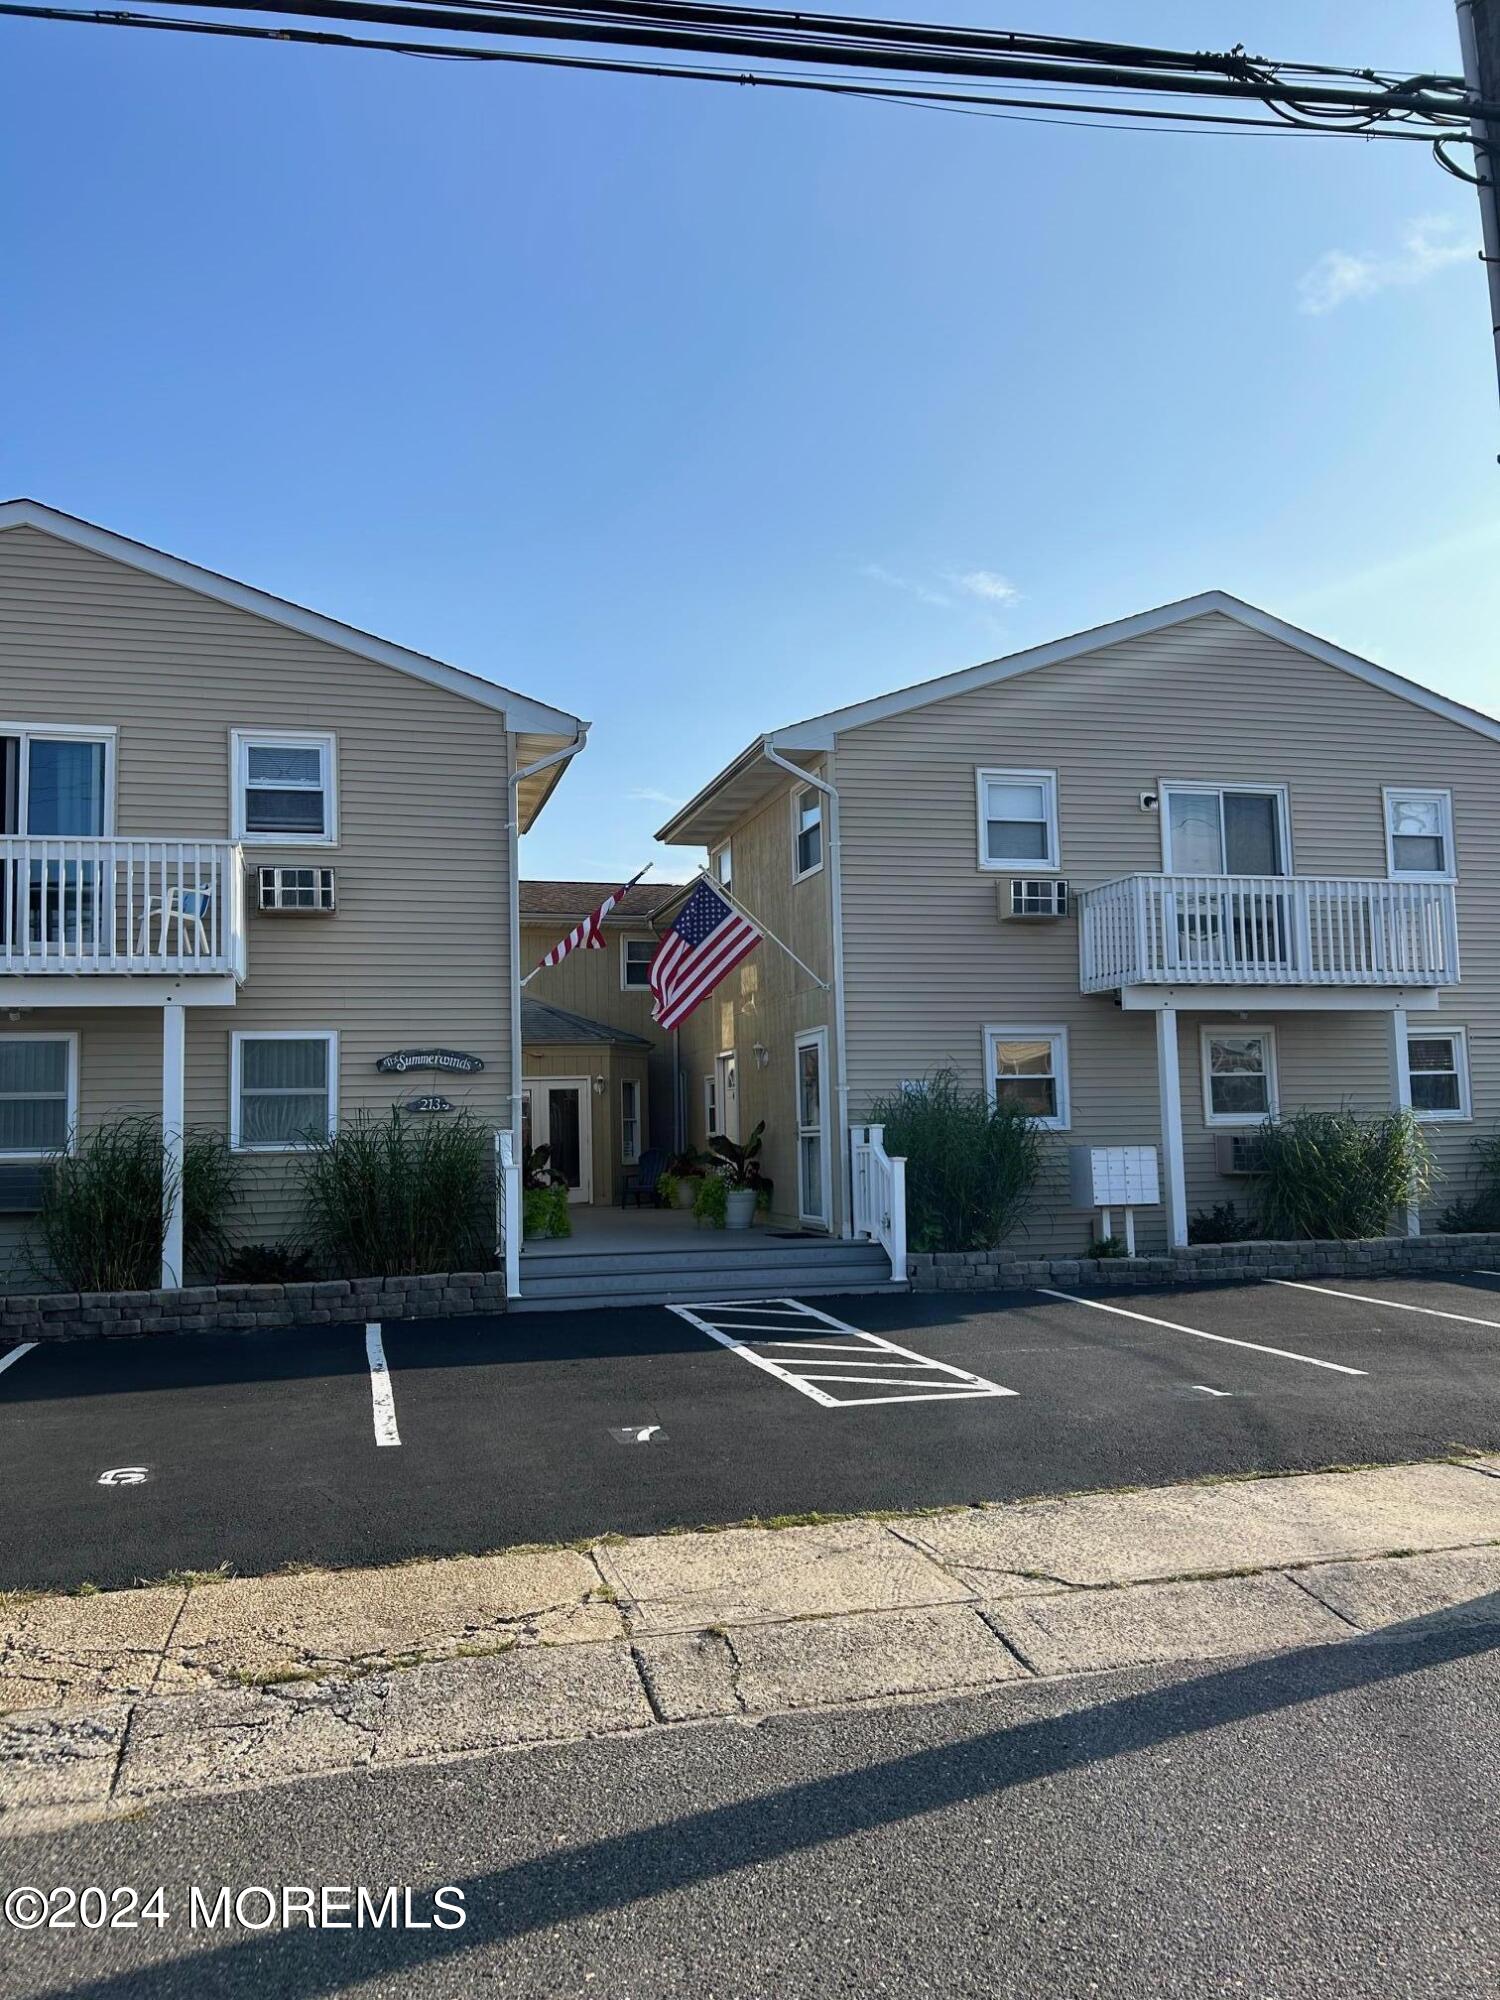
{"points": [[617, 894], [730, 898]]}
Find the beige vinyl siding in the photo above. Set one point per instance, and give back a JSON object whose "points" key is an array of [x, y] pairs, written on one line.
{"points": [[928, 963], [588, 983], [588, 1061], [417, 952], [768, 999]]}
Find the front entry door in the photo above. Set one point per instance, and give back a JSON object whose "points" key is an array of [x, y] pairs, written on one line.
{"points": [[813, 1154], [557, 1113]]}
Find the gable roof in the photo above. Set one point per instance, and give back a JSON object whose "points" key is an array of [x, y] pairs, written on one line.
{"points": [[541, 1023], [541, 728], [749, 778], [578, 899]]}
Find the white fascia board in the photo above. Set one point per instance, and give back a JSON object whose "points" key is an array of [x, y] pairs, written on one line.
{"points": [[522, 715], [1257, 1001]]}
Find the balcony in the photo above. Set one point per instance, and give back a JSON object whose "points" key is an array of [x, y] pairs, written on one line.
{"points": [[1266, 931], [80, 906]]}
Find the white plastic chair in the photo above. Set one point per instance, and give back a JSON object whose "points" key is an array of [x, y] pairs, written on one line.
{"points": [[186, 908]]}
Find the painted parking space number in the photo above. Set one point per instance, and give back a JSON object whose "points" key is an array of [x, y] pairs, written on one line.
{"points": [[125, 1475], [639, 1434]]}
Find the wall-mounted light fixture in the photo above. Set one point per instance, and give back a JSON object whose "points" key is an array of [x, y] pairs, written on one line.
{"points": [[600, 1086], [761, 1054]]}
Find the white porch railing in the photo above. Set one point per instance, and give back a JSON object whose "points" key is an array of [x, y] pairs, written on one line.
{"points": [[508, 1211], [879, 1192], [1266, 930], [78, 905]]}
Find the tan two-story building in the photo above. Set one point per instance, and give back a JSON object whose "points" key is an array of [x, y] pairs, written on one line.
{"points": [[259, 869], [1153, 883]]}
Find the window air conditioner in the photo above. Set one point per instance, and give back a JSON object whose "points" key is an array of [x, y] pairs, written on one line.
{"points": [[1030, 900], [309, 890], [1237, 1153]]}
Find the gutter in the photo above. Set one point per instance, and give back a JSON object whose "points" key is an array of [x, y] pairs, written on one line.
{"points": [[513, 912], [836, 900]]}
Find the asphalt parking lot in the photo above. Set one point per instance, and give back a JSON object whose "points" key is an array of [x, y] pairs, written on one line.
{"points": [[128, 1460]]}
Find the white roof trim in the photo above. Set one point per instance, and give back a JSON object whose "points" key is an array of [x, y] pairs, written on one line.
{"points": [[818, 731], [522, 715]]}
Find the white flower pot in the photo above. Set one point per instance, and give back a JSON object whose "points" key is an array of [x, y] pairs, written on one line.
{"points": [[739, 1208], [686, 1188]]}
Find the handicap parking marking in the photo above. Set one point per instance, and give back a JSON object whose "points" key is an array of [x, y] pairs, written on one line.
{"points": [[1197, 1332], [10, 1359], [382, 1399], [1396, 1305], [900, 1375]]}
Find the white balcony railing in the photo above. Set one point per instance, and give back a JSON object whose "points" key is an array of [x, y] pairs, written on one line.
{"points": [[1266, 930], [879, 1190], [70, 904]]}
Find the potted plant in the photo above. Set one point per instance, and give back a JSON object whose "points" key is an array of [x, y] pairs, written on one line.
{"points": [[544, 1196], [678, 1185], [745, 1186]]}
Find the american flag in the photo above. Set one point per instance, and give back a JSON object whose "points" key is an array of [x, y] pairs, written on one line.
{"points": [[589, 935], [709, 938]]}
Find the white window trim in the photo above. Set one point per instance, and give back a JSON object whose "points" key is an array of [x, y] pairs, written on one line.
{"points": [[1166, 786], [710, 1105], [1239, 1120], [69, 732], [799, 792], [237, 1038], [725, 852], [325, 741], [1009, 1032], [1444, 798], [633, 985], [814, 1038], [1052, 862], [70, 1142], [628, 1083], [1459, 1037]]}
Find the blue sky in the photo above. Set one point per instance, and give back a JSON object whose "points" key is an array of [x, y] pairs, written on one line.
{"points": [[694, 410]]}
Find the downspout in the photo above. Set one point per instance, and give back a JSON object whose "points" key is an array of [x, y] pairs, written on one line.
{"points": [[836, 899], [513, 890]]}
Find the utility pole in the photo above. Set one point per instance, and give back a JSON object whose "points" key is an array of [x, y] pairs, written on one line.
{"points": [[1479, 39]]}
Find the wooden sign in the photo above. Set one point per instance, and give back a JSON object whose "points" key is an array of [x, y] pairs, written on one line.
{"points": [[452, 1060], [424, 1104]]}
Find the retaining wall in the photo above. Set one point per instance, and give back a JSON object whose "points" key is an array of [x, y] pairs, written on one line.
{"points": [[241, 1308], [1198, 1263]]}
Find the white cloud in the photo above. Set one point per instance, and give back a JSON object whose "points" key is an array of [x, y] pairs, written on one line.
{"points": [[879, 574], [1429, 244], [653, 797], [988, 584]]}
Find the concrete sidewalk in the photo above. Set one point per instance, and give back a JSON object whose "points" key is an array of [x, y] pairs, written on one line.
{"points": [[119, 1699]]}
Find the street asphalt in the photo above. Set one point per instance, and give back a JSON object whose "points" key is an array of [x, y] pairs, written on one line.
{"points": [[128, 1460], [1319, 1825]]}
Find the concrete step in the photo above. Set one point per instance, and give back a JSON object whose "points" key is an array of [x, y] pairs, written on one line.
{"points": [[549, 1296], [764, 1257]]}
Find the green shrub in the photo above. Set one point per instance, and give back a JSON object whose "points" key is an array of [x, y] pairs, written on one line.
{"points": [[711, 1202], [1109, 1246], [1333, 1176], [1223, 1223], [971, 1165], [393, 1196], [544, 1211], [267, 1264], [1481, 1210], [100, 1224]]}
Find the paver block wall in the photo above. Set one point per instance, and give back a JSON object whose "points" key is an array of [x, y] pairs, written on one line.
{"points": [[242, 1308], [1369, 1257]]}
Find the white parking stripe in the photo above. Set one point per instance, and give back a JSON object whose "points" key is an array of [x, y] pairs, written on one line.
{"points": [[380, 1389], [10, 1360], [1223, 1339], [939, 1381], [1400, 1305]]}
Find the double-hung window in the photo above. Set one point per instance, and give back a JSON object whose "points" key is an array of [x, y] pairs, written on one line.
{"points": [[1419, 834], [1018, 819], [807, 831], [636, 955], [285, 788], [1028, 1068], [1438, 1064], [1239, 1076], [722, 864], [283, 1089], [630, 1120], [38, 1094]]}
